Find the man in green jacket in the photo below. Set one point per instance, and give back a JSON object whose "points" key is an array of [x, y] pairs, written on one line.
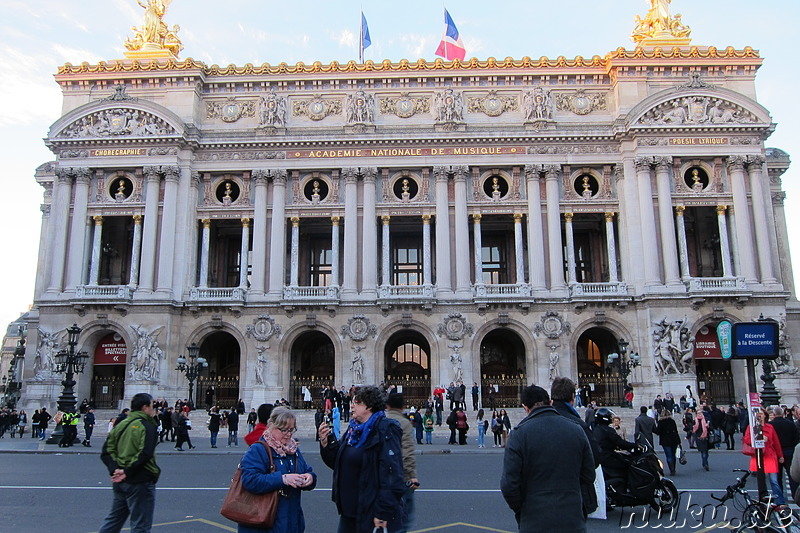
{"points": [[129, 455]]}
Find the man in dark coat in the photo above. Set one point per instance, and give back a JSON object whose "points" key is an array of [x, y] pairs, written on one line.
{"points": [[644, 425], [547, 467], [789, 437], [562, 392]]}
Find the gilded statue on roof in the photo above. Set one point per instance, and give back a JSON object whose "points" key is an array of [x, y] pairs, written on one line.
{"points": [[660, 25], [154, 38]]}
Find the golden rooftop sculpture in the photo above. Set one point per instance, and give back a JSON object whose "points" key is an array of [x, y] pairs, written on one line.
{"points": [[154, 40], [660, 28]]}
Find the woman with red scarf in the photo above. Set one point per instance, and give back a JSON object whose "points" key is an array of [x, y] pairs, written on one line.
{"points": [[773, 453]]}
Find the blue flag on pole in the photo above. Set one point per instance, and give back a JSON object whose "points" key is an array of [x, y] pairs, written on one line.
{"points": [[365, 40]]}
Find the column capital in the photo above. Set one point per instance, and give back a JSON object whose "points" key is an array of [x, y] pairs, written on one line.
{"points": [[98, 220], [426, 219], [83, 176], [279, 176], [440, 173], [552, 172], [532, 172], [568, 216], [171, 173], [679, 209], [736, 162], [295, 221], [137, 219], [619, 172], [350, 174], [663, 162], [460, 172], [335, 221], [152, 173], [610, 216], [476, 218], [206, 222], [643, 164], [755, 161], [721, 209], [245, 222], [385, 219], [517, 217], [369, 174], [259, 176]]}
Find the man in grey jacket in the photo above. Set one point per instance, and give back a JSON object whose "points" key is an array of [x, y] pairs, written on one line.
{"points": [[644, 425], [394, 410], [548, 464]]}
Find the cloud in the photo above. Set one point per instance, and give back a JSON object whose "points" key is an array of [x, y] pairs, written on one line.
{"points": [[30, 94], [347, 39]]}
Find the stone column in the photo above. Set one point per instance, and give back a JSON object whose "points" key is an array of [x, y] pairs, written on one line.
{"points": [[760, 219], [205, 244], [426, 251], [552, 176], [136, 252], [97, 243], [647, 223], [518, 248], [78, 229], [169, 211], [571, 277], [294, 264], [668, 242], [535, 230], [683, 250], [150, 229], [611, 249], [443, 284], [258, 276], [335, 251], [737, 265], [478, 245], [349, 286], [462, 233], [60, 224], [744, 226], [386, 266], [244, 252], [369, 257], [277, 248], [724, 245]]}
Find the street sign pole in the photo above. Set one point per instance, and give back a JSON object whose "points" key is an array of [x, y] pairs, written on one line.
{"points": [[761, 477]]}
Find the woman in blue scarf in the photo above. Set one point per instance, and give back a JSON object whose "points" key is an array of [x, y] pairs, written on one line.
{"points": [[367, 466]]}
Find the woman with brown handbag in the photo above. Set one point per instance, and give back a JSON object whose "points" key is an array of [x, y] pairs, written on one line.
{"points": [[291, 473]]}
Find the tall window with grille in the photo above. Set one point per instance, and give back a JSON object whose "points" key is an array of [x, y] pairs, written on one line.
{"points": [[494, 259], [406, 260], [320, 265]]}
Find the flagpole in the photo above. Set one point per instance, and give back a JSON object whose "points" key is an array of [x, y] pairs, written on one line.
{"points": [[361, 37]]}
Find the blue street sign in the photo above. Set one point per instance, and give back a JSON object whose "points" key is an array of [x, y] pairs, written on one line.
{"points": [[755, 340]]}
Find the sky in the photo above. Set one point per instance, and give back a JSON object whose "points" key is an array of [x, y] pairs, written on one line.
{"points": [[36, 37]]}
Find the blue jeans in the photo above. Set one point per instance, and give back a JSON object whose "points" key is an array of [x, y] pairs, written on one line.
{"points": [[214, 437], [775, 486], [669, 453], [233, 437], [137, 500], [429, 437], [702, 447], [481, 433]]}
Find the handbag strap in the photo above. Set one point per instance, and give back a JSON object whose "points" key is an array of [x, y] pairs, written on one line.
{"points": [[269, 454]]}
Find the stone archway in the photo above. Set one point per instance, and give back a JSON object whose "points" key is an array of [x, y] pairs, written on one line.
{"points": [[312, 365], [219, 383], [407, 364], [595, 381], [503, 373]]}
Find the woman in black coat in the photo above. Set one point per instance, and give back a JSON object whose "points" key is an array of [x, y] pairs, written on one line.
{"points": [[367, 466], [668, 437], [729, 426]]}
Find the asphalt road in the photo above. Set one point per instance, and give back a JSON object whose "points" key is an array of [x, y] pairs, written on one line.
{"points": [[70, 493]]}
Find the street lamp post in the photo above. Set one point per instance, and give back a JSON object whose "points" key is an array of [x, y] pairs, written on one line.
{"points": [[192, 368], [624, 365], [15, 371], [68, 362]]}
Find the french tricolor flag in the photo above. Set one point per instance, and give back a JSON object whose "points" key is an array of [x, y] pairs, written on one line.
{"points": [[451, 47]]}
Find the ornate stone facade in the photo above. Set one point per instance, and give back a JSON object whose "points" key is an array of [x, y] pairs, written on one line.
{"points": [[483, 224]]}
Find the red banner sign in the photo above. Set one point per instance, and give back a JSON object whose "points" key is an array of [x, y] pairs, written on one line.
{"points": [[706, 344], [111, 350]]}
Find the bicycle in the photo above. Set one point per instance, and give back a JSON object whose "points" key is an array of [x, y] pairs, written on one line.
{"points": [[760, 515]]}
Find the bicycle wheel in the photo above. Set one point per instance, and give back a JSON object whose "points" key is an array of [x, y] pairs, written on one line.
{"points": [[785, 519]]}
